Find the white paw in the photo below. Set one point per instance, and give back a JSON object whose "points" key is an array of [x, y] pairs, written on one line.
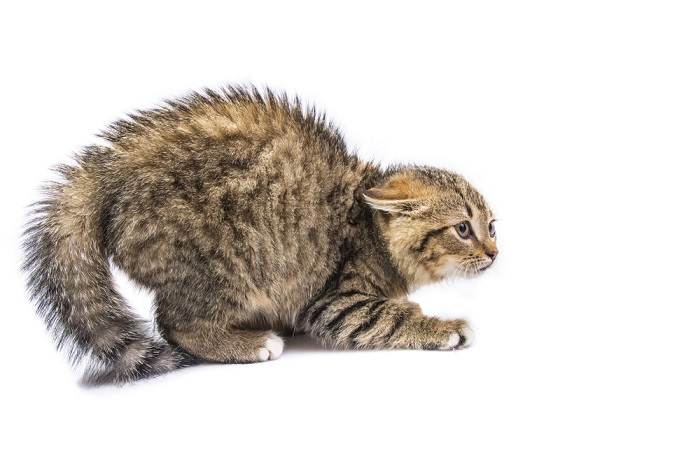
{"points": [[460, 339], [468, 336], [272, 349], [452, 341]]}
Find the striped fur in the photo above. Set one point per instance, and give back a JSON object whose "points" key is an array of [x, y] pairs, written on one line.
{"points": [[247, 217]]}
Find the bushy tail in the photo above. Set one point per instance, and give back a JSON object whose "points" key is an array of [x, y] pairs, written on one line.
{"points": [[69, 278]]}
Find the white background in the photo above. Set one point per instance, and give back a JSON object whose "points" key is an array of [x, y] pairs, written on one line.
{"points": [[577, 120]]}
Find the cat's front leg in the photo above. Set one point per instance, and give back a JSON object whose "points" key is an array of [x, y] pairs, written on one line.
{"points": [[348, 319]]}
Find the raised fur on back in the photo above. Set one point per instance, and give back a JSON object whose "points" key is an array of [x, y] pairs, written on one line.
{"points": [[247, 217]]}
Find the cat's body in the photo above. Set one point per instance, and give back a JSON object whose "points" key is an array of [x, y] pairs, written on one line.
{"points": [[247, 218]]}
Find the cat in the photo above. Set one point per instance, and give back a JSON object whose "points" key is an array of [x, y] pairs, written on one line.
{"points": [[248, 218]]}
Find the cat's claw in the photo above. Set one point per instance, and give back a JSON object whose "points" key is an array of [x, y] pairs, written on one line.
{"points": [[272, 349]]}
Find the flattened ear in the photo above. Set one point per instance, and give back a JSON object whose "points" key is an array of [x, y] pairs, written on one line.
{"points": [[399, 196]]}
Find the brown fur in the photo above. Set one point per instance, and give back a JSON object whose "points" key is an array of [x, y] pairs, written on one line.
{"points": [[246, 216]]}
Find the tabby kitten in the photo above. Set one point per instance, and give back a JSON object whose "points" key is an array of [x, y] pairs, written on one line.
{"points": [[247, 218]]}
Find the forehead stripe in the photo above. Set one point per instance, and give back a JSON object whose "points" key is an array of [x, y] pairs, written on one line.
{"points": [[470, 213], [469, 210]]}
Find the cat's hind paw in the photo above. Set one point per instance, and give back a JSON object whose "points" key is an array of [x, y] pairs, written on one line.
{"points": [[272, 349]]}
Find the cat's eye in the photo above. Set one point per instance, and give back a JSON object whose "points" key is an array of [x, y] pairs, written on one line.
{"points": [[463, 230], [492, 229]]}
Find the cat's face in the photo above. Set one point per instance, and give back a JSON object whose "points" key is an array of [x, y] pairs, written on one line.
{"points": [[435, 223]]}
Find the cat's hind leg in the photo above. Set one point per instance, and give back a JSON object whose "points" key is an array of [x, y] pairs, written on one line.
{"points": [[212, 328], [227, 344]]}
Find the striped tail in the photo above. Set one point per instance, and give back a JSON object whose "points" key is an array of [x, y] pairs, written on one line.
{"points": [[70, 281]]}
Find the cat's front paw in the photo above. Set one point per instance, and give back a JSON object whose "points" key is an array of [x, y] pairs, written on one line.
{"points": [[460, 338]]}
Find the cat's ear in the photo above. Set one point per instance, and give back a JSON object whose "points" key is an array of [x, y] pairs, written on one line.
{"points": [[397, 196]]}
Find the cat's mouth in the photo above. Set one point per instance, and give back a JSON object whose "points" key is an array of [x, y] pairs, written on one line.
{"points": [[481, 269], [474, 270]]}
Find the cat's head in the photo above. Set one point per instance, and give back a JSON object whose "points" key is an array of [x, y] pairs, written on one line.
{"points": [[435, 223]]}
